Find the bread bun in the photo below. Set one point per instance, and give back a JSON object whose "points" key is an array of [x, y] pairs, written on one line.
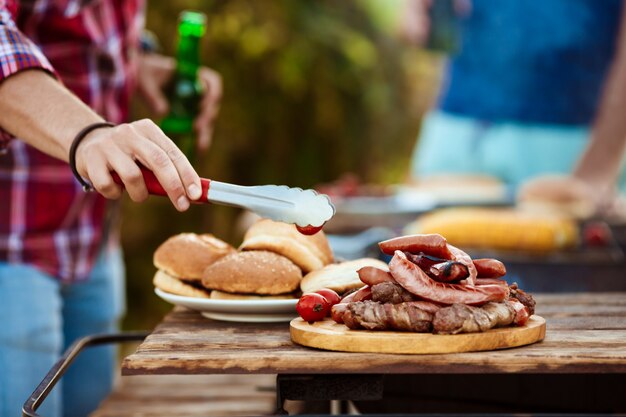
{"points": [[220, 295], [339, 277], [308, 252], [254, 272], [172, 285], [556, 194], [187, 255]]}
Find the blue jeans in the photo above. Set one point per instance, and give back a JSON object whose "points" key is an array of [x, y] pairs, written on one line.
{"points": [[39, 318]]}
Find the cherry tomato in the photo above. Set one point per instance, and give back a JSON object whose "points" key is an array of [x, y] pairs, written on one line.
{"points": [[313, 307], [331, 296]]}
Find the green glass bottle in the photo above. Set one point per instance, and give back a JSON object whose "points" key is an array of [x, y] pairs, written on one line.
{"points": [[184, 91]]}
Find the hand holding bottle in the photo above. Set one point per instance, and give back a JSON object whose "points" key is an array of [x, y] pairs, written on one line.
{"points": [[157, 71]]}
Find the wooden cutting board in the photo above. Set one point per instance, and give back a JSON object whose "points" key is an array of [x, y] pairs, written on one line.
{"points": [[329, 335]]}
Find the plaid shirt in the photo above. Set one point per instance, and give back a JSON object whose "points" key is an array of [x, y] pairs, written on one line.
{"points": [[46, 220]]}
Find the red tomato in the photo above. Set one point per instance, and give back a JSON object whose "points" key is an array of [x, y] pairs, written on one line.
{"points": [[313, 307], [331, 296]]}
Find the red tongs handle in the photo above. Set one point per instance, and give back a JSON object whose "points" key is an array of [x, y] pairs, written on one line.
{"points": [[154, 186]]}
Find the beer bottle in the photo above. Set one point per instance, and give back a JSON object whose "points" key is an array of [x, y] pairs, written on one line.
{"points": [[184, 91]]}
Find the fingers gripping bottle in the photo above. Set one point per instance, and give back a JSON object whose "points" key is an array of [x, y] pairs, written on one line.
{"points": [[184, 91]]}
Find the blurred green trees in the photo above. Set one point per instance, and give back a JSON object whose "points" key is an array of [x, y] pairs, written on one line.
{"points": [[312, 89]]}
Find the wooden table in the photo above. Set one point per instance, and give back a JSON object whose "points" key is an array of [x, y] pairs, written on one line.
{"points": [[586, 332], [583, 356]]}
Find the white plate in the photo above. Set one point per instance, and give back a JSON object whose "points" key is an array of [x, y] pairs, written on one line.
{"points": [[253, 311]]}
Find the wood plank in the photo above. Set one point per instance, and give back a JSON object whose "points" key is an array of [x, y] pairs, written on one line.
{"points": [[191, 396], [585, 333]]}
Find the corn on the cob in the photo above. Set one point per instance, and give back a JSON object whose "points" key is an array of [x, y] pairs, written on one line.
{"points": [[506, 229]]}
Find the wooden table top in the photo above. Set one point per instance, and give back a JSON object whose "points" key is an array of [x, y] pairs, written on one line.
{"points": [[586, 333]]}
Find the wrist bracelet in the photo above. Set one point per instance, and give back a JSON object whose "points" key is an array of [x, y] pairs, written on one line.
{"points": [[77, 140]]}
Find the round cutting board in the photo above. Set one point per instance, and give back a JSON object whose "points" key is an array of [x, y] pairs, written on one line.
{"points": [[329, 335]]}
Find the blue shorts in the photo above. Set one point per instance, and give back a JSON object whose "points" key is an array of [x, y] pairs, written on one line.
{"points": [[40, 318], [510, 151]]}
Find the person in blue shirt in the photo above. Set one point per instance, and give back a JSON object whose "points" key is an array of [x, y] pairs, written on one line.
{"points": [[533, 88]]}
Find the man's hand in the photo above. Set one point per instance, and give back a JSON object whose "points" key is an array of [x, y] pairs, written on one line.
{"points": [[573, 196], [121, 147], [155, 72], [39, 110]]}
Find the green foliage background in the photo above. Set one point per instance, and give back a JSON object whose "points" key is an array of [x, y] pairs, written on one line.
{"points": [[312, 90]]}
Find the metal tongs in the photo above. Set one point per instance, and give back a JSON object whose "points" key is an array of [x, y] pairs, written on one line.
{"points": [[307, 209]]}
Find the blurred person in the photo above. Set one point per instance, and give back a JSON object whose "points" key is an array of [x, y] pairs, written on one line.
{"points": [[67, 66], [528, 87]]}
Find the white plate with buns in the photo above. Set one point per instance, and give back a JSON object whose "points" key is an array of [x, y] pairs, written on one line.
{"points": [[253, 311], [258, 282]]}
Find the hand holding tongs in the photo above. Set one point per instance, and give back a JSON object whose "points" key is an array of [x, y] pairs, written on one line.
{"points": [[307, 209]]}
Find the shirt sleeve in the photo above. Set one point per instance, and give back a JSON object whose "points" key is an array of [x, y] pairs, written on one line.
{"points": [[17, 53]]}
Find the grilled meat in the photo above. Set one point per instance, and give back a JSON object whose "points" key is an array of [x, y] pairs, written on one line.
{"points": [[391, 292], [414, 280], [371, 275], [489, 268], [461, 318], [371, 315], [449, 271], [523, 298]]}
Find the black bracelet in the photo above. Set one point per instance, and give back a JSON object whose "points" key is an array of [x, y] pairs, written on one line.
{"points": [[77, 140]]}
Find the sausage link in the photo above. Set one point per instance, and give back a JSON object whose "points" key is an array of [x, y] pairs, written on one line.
{"points": [[489, 268], [371, 275], [434, 245]]}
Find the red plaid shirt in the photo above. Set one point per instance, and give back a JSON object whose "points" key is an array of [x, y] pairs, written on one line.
{"points": [[46, 220]]}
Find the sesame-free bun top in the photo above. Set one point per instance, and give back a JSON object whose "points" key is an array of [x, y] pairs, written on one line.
{"points": [[339, 277], [187, 255], [253, 272], [309, 252]]}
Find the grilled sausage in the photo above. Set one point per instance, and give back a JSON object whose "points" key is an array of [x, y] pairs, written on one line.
{"points": [[434, 245]]}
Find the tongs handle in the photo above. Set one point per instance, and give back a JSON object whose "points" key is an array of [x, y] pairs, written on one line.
{"points": [[154, 186]]}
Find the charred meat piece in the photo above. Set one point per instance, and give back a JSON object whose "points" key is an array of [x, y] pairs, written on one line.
{"points": [[414, 280], [425, 262], [449, 271], [459, 256], [371, 315], [461, 318], [391, 292], [523, 297]]}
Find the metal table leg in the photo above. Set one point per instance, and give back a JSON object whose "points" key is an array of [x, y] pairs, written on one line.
{"points": [[60, 367]]}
